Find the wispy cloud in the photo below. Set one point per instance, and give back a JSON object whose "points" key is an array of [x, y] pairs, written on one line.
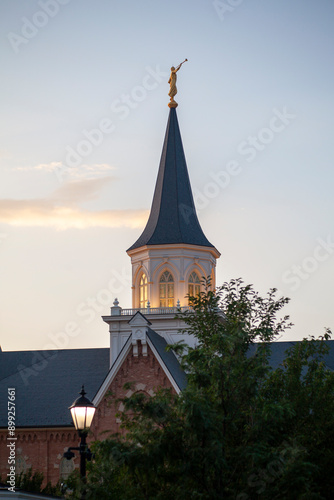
{"points": [[61, 209], [43, 167], [81, 172], [80, 190]]}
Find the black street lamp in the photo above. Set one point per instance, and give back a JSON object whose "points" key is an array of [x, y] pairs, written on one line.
{"points": [[82, 411]]}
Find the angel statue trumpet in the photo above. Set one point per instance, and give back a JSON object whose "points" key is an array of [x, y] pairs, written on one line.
{"points": [[172, 81]]}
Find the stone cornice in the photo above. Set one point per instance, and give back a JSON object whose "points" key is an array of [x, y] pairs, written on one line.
{"points": [[172, 246]]}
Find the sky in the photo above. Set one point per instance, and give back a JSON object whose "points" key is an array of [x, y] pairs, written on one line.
{"points": [[84, 93]]}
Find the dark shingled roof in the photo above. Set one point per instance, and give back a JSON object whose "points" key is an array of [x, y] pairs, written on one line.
{"points": [[47, 383], [173, 216], [168, 358], [279, 351]]}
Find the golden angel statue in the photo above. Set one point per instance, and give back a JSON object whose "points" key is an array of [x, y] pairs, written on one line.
{"points": [[172, 81]]}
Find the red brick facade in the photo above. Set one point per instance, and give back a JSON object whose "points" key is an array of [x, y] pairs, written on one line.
{"points": [[42, 449], [144, 372]]}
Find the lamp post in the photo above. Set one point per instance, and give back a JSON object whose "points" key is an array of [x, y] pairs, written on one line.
{"points": [[82, 411]]}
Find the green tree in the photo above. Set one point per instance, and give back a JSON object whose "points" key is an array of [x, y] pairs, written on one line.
{"points": [[240, 430], [32, 482]]}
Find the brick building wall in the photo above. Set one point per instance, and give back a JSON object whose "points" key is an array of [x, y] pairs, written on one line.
{"points": [[42, 449]]}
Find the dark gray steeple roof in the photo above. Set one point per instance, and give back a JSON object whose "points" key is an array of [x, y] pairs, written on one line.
{"points": [[173, 216]]}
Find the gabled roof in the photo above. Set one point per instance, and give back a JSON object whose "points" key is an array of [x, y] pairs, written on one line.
{"points": [[112, 372], [168, 358], [139, 319], [47, 382], [173, 216]]}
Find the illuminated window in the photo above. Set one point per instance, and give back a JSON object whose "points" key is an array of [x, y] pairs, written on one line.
{"points": [[194, 285], [166, 290], [143, 291]]}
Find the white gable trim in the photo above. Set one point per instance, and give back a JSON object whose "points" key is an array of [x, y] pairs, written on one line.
{"points": [[118, 363], [138, 319], [112, 372]]}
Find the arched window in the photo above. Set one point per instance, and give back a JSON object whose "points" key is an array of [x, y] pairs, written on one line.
{"points": [[194, 285], [166, 290], [143, 291]]}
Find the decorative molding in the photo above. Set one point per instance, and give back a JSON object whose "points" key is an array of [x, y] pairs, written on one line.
{"points": [[139, 326], [167, 266], [173, 246]]}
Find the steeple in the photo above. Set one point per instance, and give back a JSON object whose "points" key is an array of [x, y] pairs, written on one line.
{"points": [[173, 216], [172, 254]]}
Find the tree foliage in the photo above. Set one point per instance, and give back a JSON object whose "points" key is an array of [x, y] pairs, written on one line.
{"points": [[241, 429], [32, 482]]}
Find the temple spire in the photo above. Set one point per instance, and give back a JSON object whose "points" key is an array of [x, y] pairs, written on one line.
{"points": [[173, 218]]}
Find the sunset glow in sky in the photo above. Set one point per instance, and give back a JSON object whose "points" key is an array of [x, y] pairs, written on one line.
{"points": [[83, 117]]}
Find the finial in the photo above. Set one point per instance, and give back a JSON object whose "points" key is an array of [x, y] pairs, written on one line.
{"points": [[172, 81], [116, 302], [178, 303]]}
